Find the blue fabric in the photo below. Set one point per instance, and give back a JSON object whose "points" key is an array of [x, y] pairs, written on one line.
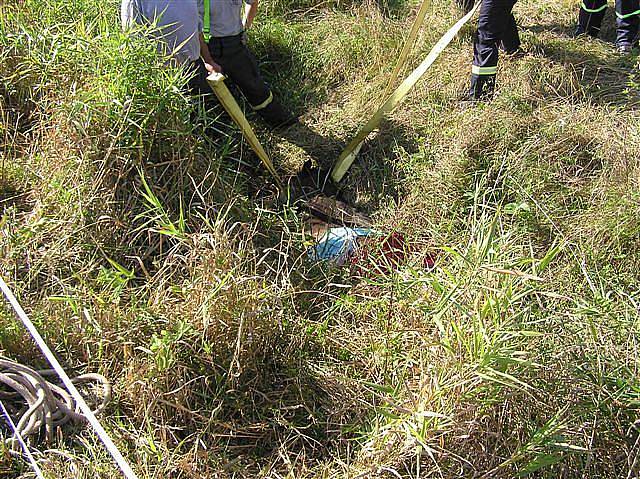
{"points": [[337, 244]]}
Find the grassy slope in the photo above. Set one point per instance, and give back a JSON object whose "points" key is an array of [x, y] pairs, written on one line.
{"points": [[141, 250]]}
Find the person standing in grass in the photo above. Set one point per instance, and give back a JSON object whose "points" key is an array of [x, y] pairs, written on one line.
{"points": [[497, 29], [627, 21], [178, 31], [226, 23]]}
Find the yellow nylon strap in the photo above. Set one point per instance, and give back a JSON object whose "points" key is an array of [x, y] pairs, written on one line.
{"points": [[417, 24], [216, 81], [348, 156], [206, 28]]}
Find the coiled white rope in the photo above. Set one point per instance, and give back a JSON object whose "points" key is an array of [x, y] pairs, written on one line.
{"points": [[71, 388], [47, 404]]}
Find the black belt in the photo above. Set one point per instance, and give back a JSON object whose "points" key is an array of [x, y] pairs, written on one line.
{"points": [[230, 40]]}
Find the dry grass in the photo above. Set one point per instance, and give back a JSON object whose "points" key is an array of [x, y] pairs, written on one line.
{"points": [[140, 237]]}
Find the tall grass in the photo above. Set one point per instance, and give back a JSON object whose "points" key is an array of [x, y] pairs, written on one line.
{"points": [[145, 245]]}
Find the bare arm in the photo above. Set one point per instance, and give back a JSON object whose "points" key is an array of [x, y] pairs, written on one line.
{"points": [[209, 63], [250, 14]]}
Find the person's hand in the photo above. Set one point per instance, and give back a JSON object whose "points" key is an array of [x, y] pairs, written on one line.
{"points": [[243, 38], [213, 67]]}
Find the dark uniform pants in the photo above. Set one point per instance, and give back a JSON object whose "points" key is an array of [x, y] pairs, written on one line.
{"points": [[197, 73], [496, 29], [241, 67], [627, 13]]}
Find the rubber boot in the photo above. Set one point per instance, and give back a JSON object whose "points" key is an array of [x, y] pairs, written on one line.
{"points": [[482, 87], [276, 116]]}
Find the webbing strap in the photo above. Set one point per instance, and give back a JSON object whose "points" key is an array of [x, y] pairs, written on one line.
{"points": [[627, 15], [216, 81], [476, 70], [408, 45], [593, 10], [86, 410], [206, 28], [348, 156]]}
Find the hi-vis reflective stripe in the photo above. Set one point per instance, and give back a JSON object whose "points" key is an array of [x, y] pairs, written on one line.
{"points": [[264, 104], [476, 70], [593, 10], [627, 15], [206, 28]]}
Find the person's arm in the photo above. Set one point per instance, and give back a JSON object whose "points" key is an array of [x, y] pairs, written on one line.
{"points": [[209, 63], [250, 14]]}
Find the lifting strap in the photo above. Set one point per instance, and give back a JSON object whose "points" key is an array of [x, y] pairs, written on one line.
{"points": [[216, 81], [348, 156]]}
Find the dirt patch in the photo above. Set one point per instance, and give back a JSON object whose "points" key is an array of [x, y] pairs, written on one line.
{"points": [[13, 197]]}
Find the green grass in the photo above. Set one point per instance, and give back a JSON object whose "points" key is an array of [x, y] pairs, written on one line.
{"points": [[146, 243]]}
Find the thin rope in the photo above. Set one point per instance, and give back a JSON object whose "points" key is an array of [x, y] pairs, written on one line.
{"points": [[82, 405], [16, 433]]}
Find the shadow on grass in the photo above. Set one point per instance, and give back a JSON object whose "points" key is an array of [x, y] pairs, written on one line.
{"points": [[284, 65], [12, 197], [373, 178], [278, 411], [609, 81], [290, 409]]}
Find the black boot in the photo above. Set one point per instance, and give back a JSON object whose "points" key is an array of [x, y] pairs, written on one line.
{"points": [[465, 5], [482, 88], [276, 116], [591, 31]]}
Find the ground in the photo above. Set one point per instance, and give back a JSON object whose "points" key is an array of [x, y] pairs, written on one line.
{"points": [[147, 244]]}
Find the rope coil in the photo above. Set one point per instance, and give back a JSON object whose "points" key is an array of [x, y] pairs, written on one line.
{"points": [[126, 469], [48, 405]]}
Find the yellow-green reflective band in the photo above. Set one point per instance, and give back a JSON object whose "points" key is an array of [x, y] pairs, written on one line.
{"points": [[627, 15], [476, 70], [593, 10], [206, 29], [265, 103]]}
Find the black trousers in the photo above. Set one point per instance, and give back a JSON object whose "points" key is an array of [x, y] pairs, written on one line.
{"points": [[197, 84], [465, 5], [241, 67], [627, 19], [496, 29]]}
